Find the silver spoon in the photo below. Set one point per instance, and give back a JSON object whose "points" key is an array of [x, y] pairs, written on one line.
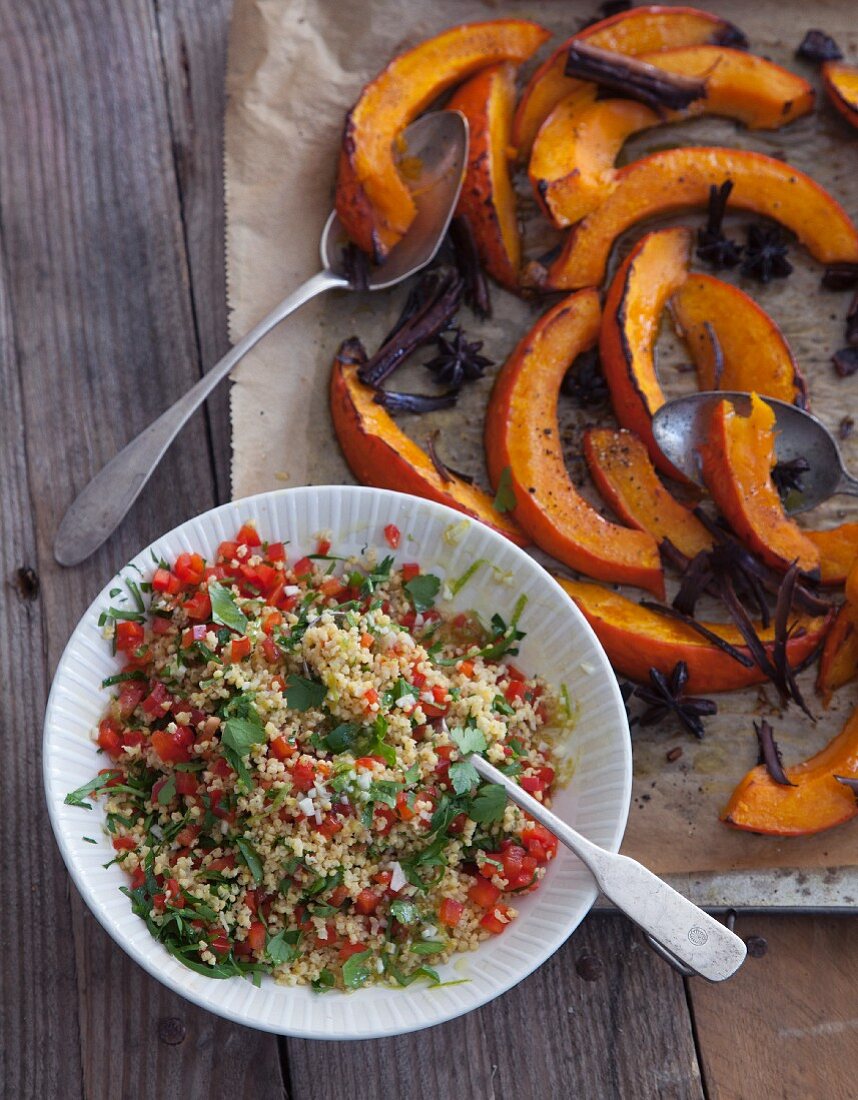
{"points": [[437, 144], [680, 426], [689, 939]]}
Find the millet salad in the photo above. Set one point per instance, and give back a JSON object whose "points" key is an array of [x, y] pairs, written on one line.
{"points": [[289, 789]]}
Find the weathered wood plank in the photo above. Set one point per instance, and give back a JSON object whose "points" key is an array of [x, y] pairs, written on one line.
{"points": [[786, 1023], [193, 46], [98, 282], [624, 1034]]}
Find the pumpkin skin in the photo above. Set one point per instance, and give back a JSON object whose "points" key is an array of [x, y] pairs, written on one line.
{"points": [[841, 86], [636, 639], [372, 199], [522, 437]]}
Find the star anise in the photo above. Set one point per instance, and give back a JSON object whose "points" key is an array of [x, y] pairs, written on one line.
{"points": [[788, 475], [666, 696], [458, 361], [765, 254], [584, 382], [712, 246], [845, 361], [818, 46]]}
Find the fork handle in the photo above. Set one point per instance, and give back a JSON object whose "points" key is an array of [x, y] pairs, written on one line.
{"points": [[102, 505], [688, 936]]}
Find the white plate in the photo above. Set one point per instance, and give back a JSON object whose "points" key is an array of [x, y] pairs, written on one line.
{"points": [[559, 645]]}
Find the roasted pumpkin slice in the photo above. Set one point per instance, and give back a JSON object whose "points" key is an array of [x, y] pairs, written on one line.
{"points": [[737, 457], [372, 199], [838, 664], [815, 801], [676, 179], [753, 352], [637, 639], [743, 86], [841, 86], [623, 472], [523, 447], [639, 31], [572, 162], [379, 453], [652, 272], [571, 165], [487, 199], [838, 551]]}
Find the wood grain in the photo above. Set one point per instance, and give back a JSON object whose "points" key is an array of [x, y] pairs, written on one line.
{"points": [[96, 271], [193, 36], [625, 1035], [786, 1025]]}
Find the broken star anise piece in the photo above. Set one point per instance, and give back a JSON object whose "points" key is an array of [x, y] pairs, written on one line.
{"points": [[417, 403], [585, 382], [713, 247], [845, 361], [666, 696], [770, 754], [788, 475], [458, 361], [818, 46], [765, 254]]}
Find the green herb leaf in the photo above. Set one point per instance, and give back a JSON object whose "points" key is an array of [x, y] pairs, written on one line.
{"points": [[489, 804], [463, 776], [422, 590], [283, 947], [505, 497], [324, 982], [469, 740], [459, 583], [250, 857], [427, 947], [168, 792], [342, 737], [406, 912], [302, 694], [121, 677], [78, 797], [224, 609], [356, 970], [502, 706]]}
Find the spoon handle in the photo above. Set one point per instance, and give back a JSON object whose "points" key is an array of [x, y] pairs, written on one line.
{"points": [[101, 506], [684, 932], [847, 484]]}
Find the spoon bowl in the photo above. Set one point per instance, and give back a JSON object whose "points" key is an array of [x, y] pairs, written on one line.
{"points": [[680, 426]]}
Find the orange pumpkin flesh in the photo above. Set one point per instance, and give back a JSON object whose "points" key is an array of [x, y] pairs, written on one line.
{"points": [[652, 272], [372, 199], [636, 639], [816, 802], [838, 549], [571, 165], [639, 31], [572, 161], [841, 86], [755, 354], [621, 468], [380, 454], [487, 199], [736, 461], [522, 436], [676, 179], [838, 663]]}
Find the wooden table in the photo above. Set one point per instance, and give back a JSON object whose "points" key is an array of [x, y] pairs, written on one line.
{"points": [[112, 301]]}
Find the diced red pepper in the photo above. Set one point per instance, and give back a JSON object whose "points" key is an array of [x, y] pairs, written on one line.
{"points": [[466, 668], [130, 694], [110, 737], [173, 748], [174, 894], [158, 701], [161, 625], [281, 748], [256, 935], [124, 843], [303, 567], [190, 568], [367, 902], [276, 551], [198, 606], [248, 535], [222, 863], [410, 570], [188, 835], [219, 944], [303, 775], [332, 587], [348, 949], [166, 582], [370, 697], [329, 826], [186, 783], [402, 807], [129, 636], [138, 878], [514, 691], [393, 535], [493, 922], [484, 893], [324, 546], [196, 633], [272, 619], [221, 768], [539, 842], [239, 648], [227, 551], [338, 896], [450, 912]]}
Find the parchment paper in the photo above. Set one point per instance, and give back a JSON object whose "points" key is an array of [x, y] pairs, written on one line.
{"points": [[295, 66]]}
